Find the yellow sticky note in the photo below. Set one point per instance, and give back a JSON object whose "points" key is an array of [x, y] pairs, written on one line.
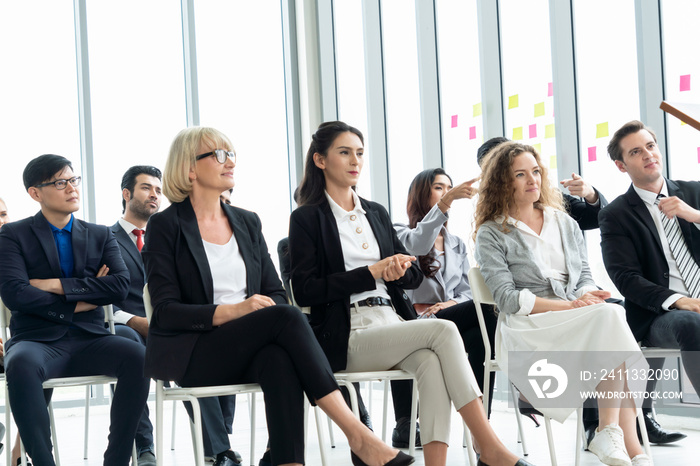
{"points": [[549, 131], [683, 123], [477, 109], [553, 162], [518, 133], [539, 109], [538, 148], [601, 130], [513, 101]]}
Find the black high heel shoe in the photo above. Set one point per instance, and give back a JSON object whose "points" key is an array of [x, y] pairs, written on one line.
{"points": [[529, 411], [521, 462], [401, 459]]}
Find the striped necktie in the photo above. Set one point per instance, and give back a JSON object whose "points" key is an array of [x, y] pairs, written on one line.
{"points": [[684, 259]]}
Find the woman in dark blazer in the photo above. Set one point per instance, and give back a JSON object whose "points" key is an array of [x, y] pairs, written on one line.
{"points": [[219, 308], [349, 266]]}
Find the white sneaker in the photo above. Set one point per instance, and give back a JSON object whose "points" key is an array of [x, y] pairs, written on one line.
{"points": [[609, 446], [641, 460]]}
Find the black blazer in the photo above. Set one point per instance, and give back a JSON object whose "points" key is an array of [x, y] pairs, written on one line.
{"points": [[133, 303], [633, 254], [320, 281], [28, 251], [585, 214], [181, 285]]}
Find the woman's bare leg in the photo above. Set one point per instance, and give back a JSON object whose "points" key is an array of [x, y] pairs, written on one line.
{"points": [[367, 446], [435, 454], [491, 449]]}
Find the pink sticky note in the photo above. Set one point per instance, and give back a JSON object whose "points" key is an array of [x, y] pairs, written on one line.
{"points": [[592, 154], [698, 154], [454, 121], [533, 131], [550, 90], [472, 132], [685, 82]]}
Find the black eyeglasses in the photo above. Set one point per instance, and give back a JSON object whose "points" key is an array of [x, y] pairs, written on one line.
{"points": [[220, 154], [61, 184]]}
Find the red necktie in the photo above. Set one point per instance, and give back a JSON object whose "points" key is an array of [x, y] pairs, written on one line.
{"points": [[139, 238]]}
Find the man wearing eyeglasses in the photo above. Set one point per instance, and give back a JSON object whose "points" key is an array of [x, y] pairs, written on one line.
{"points": [[56, 273]]}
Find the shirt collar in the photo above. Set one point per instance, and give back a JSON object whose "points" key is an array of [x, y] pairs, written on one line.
{"points": [[649, 197], [128, 226], [339, 212], [68, 227]]}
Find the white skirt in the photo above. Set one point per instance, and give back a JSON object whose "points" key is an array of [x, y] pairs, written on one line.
{"points": [[599, 337]]}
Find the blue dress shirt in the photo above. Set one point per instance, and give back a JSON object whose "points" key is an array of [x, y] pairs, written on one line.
{"points": [[62, 237]]}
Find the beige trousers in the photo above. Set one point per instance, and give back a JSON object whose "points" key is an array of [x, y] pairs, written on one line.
{"points": [[433, 351]]}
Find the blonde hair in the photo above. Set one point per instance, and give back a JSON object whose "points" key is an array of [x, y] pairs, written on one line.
{"points": [[181, 159], [495, 191]]}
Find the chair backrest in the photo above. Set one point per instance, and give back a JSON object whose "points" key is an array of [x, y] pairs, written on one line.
{"points": [[305, 309], [480, 291], [147, 303], [5, 315]]}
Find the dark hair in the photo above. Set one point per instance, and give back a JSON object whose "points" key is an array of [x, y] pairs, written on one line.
{"points": [[129, 179], [631, 127], [487, 146], [313, 184], [43, 168], [418, 206]]}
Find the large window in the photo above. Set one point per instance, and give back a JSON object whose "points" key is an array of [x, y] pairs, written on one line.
{"points": [[137, 89], [350, 72], [460, 95], [608, 97], [402, 100], [527, 77], [242, 93], [682, 80], [38, 94]]}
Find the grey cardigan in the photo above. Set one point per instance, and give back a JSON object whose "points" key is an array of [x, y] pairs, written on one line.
{"points": [[508, 265], [450, 282]]}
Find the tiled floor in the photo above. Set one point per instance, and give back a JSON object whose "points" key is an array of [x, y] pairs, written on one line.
{"points": [[70, 425]]}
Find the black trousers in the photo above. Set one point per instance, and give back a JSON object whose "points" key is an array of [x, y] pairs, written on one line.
{"points": [[28, 364], [464, 316], [275, 348]]}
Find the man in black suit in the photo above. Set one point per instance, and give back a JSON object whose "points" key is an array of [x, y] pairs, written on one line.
{"points": [[584, 202], [56, 273], [661, 298], [141, 194]]}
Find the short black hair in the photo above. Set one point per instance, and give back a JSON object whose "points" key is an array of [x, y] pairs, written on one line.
{"points": [[129, 179], [487, 146], [43, 168]]}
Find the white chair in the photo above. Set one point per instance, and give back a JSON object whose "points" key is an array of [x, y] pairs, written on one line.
{"points": [[57, 382], [482, 295]]}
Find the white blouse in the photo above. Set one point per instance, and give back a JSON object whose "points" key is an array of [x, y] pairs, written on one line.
{"points": [[228, 271]]}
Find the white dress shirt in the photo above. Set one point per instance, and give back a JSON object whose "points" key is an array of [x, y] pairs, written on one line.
{"points": [[121, 316], [675, 280]]}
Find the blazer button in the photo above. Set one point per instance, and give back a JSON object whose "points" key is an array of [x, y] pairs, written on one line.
{"points": [[405, 296], [665, 275], [61, 316], [326, 335]]}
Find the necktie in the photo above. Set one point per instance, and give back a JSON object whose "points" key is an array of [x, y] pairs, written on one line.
{"points": [[690, 272], [139, 238]]}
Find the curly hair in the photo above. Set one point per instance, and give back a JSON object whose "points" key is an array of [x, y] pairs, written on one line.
{"points": [[417, 207], [495, 191]]}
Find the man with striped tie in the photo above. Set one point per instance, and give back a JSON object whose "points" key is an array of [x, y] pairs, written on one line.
{"points": [[651, 248]]}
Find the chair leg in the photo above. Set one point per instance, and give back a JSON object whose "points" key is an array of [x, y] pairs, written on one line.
{"points": [[159, 422], [197, 431], [172, 430], [321, 440], [518, 419], [550, 440], [134, 455], [579, 434], [645, 434], [253, 409], [468, 445], [330, 431], [385, 409], [8, 425], [54, 435], [414, 419], [87, 421]]}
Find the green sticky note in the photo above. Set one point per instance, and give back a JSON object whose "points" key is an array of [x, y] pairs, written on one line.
{"points": [[549, 131], [553, 162], [513, 101], [601, 130], [539, 109], [538, 148], [518, 133], [477, 109]]}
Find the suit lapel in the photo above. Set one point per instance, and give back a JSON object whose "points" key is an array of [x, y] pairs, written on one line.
{"points": [[79, 239], [380, 233], [190, 231], [640, 210], [128, 245], [331, 238], [41, 229]]}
